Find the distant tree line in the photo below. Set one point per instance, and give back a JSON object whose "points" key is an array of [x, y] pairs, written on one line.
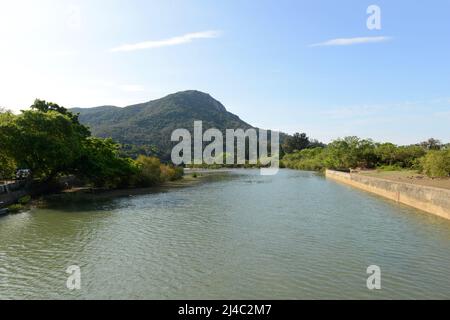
{"points": [[430, 157], [51, 142]]}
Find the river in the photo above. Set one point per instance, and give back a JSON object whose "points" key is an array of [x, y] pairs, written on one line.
{"points": [[235, 235]]}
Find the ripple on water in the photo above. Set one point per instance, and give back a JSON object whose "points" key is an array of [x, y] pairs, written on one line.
{"points": [[292, 236]]}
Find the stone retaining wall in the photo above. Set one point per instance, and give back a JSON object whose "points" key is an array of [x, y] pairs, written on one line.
{"points": [[429, 199]]}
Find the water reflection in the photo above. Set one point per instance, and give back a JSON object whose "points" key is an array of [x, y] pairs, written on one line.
{"points": [[235, 235]]}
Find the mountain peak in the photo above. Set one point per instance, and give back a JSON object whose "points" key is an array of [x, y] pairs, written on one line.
{"points": [[194, 98], [153, 122]]}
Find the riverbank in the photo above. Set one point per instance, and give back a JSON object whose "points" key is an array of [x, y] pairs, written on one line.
{"points": [[409, 176], [190, 179], [429, 199]]}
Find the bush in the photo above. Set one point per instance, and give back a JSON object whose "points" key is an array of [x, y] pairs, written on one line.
{"points": [[307, 159], [24, 200], [436, 164], [171, 173], [149, 171], [15, 208], [7, 167]]}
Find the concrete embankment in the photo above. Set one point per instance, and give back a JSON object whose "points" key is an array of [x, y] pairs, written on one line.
{"points": [[429, 199], [10, 193]]}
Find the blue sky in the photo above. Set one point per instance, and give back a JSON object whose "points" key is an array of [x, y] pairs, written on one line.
{"points": [[256, 57]]}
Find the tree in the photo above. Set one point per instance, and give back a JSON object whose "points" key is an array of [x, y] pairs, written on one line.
{"points": [[44, 107], [297, 142], [351, 152], [387, 153], [431, 144], [47, 143], [408, 156], [101, 164], [437, 163], [7, 167]]}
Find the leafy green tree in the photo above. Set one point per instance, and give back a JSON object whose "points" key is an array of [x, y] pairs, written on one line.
{"points": [[47, 143], [307, 159], [387, 153], [297, 142], [436, 163], [409, 156], [351, 152], [7, 167], [44, 107], [100, 164], [432, 144]]}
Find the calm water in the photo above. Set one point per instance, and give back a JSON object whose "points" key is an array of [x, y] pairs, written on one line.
{"points": [[238, 235]]}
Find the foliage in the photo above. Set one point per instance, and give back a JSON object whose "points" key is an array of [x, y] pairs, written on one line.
{"points": [[102, 166], [307, 159], [7, 167], [134, 151], [432, 144], [149, 171], [50, 141], [15, 208], [350, 152], [297, 142], [45, 107], [24, 200], [152, 123], [171, 173], [47, 143], [436, 163], [353, 152]]}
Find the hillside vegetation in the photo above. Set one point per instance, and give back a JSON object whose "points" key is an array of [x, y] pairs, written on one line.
{"points": [[152, 123]]}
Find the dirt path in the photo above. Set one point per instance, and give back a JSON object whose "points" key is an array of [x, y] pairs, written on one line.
{"points": [[409, 176]]}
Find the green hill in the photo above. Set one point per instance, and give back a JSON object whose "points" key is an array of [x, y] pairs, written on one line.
{"points": [[152, 123]]}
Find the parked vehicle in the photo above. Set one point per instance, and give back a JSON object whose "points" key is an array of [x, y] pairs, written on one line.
{"points": [[23, 174]]}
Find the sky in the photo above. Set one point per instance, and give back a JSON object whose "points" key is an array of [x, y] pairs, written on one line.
{"points": [[294, 66]]}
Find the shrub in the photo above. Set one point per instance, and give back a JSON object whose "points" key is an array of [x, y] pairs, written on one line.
{"points": [[15, 208], [436, 163], [24, 200], [149, 171], [307, 159], [171, 173]]}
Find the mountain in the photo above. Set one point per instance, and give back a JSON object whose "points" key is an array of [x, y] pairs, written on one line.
{"points": [[152, 123]]}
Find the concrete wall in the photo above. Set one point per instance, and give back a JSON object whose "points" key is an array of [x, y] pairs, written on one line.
{"points": [[429, 199], [7, 199], [10, 193]]}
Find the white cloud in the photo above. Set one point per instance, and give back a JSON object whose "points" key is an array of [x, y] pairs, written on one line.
{"points": [[187, 38], [350, 41]]}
